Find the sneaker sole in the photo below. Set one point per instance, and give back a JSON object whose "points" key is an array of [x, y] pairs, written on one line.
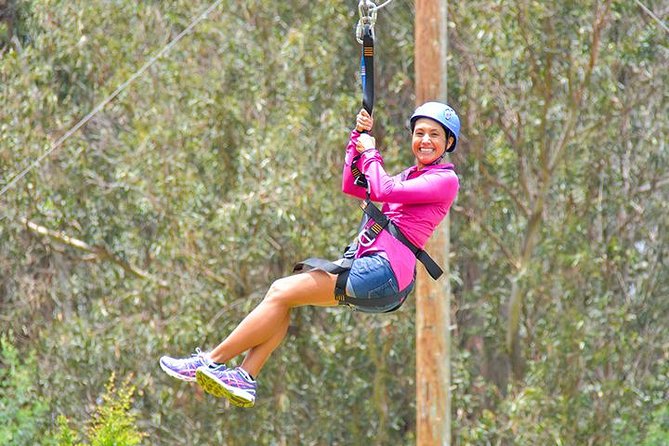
{"points": [[213, 386], [174, 374]]}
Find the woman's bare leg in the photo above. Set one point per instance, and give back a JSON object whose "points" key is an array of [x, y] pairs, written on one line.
{"points": [[256, 357], [266, 326]]}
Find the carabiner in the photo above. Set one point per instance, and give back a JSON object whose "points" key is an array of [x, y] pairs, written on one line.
{"points": [[367, 10]]}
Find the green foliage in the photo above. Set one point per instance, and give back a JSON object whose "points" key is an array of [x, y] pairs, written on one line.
{"points": [[22, 408], [214, 172], [24, 411], [558, 158], [219, 168], [112, 424], [65, 435], [14, 19], [658, 431]]}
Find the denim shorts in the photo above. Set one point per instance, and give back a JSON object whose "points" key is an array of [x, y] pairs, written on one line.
{"points": [[372, 277]]}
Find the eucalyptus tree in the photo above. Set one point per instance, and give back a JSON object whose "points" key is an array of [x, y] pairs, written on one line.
{"points": [[563, 252]]}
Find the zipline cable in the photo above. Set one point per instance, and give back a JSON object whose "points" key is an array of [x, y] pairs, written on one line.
{"points": [[652, 14], [109, 98], [376, 8]]}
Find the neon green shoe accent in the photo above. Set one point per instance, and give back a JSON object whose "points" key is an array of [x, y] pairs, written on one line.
{"points": [[211, 384]]}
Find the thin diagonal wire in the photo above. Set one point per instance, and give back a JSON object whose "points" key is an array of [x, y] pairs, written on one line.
{"points": [[382, 5], [109, 98], [652, 14]]}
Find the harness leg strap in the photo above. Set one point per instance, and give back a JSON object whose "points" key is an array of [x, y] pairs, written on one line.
{"points": [[340, 286], [341, 268]]}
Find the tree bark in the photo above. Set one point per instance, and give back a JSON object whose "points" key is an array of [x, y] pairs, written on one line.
{"points": [[433, 417]]}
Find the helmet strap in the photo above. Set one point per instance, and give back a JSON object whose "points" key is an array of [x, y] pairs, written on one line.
{"points": [[438, 160]]}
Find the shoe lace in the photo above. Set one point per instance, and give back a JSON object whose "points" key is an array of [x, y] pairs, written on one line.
{"points": [[203, 355]]}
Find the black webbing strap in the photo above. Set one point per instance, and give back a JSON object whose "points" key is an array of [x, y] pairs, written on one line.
{"points": [[360, 179], [371, 301], [367, 77], [367, 68], [341, 269], [382, 222]]}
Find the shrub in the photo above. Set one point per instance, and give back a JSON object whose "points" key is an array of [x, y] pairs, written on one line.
{"points": [[113, 423], [22, 409]]}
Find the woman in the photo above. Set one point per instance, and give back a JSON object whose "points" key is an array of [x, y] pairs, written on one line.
{"points": [[383, 269]]}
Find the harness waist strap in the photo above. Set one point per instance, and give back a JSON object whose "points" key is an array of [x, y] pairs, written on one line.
{"points": [[433, 269]]}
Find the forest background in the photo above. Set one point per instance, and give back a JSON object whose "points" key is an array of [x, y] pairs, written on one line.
{"points": [[157, 226]]}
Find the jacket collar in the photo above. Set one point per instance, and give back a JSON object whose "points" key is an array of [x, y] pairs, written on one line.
{"points": [[431, 167]]}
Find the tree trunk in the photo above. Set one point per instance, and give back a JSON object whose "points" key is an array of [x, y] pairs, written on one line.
{"points": [[433, 418]]}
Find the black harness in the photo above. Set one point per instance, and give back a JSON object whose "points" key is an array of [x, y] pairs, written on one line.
{"points": [[341, 267]]}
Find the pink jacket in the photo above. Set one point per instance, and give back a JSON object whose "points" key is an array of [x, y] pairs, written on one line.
{"points": [[415, 200]]}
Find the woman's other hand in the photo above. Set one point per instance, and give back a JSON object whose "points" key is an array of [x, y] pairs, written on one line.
{"points": [[363, 122], [365, 142]]}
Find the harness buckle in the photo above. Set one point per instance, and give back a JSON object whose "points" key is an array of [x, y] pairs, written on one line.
{"points": [[367, 236], [364, 239], [360, 181]]}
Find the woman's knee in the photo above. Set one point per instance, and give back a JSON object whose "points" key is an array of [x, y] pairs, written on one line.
{"points": [[312, 288], [280, 291]]}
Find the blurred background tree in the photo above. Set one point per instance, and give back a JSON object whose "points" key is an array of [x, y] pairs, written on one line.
{"points": [[208, 177]]}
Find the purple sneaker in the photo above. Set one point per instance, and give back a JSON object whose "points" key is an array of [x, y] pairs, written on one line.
{"points": [[234, 384], [184, 368]]}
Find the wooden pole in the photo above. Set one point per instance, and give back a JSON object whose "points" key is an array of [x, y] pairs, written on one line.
{"points": [[433, 411]]}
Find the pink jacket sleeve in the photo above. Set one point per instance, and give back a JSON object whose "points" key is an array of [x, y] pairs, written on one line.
{"points": [[348, 181], [435, 185]]}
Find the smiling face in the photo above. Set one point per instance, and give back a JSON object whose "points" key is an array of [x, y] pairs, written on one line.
{"points": [[429, 141]]}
